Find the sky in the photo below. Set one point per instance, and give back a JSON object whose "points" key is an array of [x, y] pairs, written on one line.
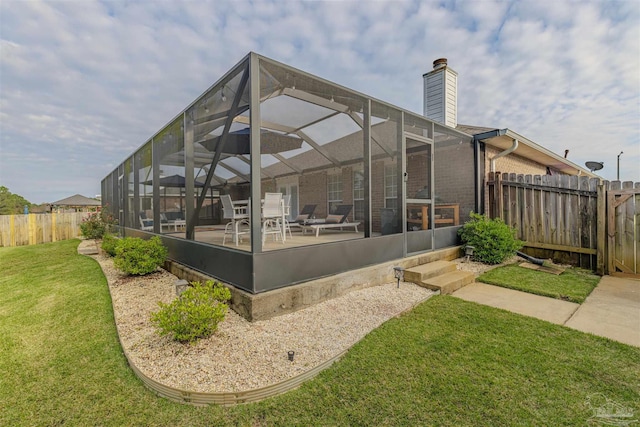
{"points": [[84, 83]]}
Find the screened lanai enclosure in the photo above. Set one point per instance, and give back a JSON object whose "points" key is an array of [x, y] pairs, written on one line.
{"points": [[273, 177]]}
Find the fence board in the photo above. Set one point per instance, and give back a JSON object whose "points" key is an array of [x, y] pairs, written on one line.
{"points": [[553, 211], [628, 219], [636, 247], [538, 210], [21, 230], [588, 219], [601, 241], [528, 220]]}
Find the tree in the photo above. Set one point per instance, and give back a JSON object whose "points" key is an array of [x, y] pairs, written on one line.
{"points": [[11, 204]]}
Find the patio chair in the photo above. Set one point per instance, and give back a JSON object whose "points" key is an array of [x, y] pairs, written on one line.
{"points": [[286, 226], [339, 219], [238, 215], [146, 224], [171, 219], [164, 222], [305, 213], [272, 214]]}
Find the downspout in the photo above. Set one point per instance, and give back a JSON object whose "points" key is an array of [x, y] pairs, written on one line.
{"points": [[509, 150], [479, 176]]}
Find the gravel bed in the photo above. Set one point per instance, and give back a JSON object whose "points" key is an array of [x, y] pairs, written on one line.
{"points": [[478, 268], [244, 355]]}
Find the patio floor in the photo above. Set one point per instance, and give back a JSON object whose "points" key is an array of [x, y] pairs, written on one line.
{"points": [[215, 234]]}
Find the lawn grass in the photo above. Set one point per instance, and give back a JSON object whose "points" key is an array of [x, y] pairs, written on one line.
{"points": [[447, 362], [574, 284]]}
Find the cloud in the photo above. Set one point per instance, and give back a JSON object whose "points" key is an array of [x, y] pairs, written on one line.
{"points": [[84, 83]]}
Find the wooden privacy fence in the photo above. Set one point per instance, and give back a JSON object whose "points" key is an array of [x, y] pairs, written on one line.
{"points": [[623, 228], [569, 218], [31, 229]]}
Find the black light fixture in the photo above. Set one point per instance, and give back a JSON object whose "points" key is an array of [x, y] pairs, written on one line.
{"points": [[290, 355], [468, 251], [398, 274]]}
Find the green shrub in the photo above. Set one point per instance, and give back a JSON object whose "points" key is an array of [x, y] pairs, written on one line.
{"points": [[492, 239], [139, 257], [109, 242], [194, 314], [97, 224]]}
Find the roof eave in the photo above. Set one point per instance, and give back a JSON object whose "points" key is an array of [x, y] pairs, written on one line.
{"points": [[502, 138]]}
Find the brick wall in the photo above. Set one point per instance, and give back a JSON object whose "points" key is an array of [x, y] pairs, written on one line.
{"points": [[511, 163], [455, 177], [347, 187], [418, 166], [313, 190], [377, 193]]}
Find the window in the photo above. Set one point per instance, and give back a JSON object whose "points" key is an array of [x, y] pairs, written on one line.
{"points": [[334, 191], [390, 186], [358, 195]]}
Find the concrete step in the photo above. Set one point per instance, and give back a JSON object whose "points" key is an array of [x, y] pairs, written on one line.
{"points": [[450, 282], [422, 272]]}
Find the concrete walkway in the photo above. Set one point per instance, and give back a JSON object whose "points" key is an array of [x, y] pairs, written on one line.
{"points": [[612, 310]]}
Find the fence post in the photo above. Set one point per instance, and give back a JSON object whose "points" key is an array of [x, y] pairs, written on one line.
{"points": [[601, 227], [497, 196], [490, 184]]}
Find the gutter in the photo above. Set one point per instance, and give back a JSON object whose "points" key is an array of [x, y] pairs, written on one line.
{"points": [[565, 166], [478, 152], [493, 134], [509, 150]]}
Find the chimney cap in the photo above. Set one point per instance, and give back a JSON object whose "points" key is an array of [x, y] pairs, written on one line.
{"points": [[439, 63]]}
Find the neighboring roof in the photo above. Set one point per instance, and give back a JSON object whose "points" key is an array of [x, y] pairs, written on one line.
{"points": [[77, 200], [502, 139]]}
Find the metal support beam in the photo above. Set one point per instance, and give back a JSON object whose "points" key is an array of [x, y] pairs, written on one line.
{"points": [[221, 116], [287, 163], [136, 191], [254, 131], [189, 166], [235, 171], [155, 162], [247, 161], [366, 154], [315, 99], [375, 138], [320, 149], [216, 158]]}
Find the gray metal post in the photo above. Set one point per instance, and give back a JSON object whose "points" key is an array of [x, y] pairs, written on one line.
{"points": [[618, 175]]}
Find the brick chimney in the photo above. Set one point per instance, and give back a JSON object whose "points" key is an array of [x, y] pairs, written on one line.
{"points": [[441, 93]]}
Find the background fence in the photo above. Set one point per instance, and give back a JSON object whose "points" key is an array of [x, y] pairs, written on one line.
{"points": [[577, 220], [623, 228], [31, 229]]}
